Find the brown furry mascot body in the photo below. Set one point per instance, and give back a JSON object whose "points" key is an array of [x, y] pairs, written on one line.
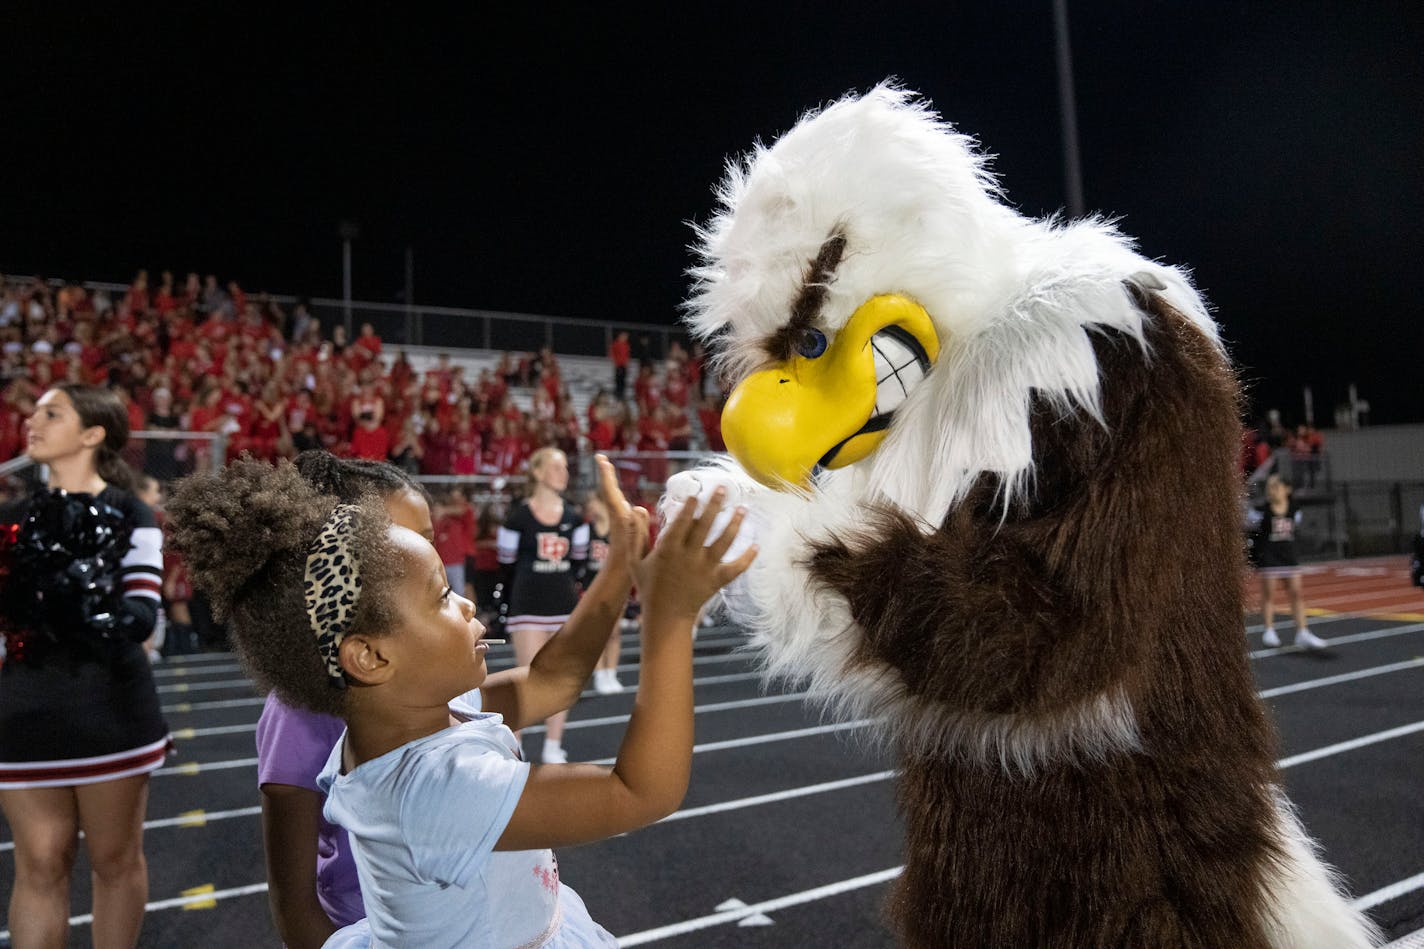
{"points": [[1007, 526]]}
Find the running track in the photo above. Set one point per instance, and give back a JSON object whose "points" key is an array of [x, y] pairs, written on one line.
{"points": [[788, 836]]}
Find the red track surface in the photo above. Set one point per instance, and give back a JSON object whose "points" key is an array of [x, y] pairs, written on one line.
{"points": [[1369, 586]]}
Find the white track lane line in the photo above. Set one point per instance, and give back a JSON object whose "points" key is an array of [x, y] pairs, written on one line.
{"points": [[181, 708], [769, 906], [1344, 746], [884, 876], [163, 671], [1392, 892], [1342, 677], [775, 796], [174, 903], [183, 688]]}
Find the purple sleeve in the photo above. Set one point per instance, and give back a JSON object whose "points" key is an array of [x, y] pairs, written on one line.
{"points": [[293, 744]]}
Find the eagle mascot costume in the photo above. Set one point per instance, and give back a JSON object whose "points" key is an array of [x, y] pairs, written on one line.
{"points": [[990, 463]]}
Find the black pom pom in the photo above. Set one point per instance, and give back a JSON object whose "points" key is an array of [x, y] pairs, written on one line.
{"points": [[62, 565]]}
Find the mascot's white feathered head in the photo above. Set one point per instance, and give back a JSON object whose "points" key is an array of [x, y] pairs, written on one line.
{"points": [[889, 317]]}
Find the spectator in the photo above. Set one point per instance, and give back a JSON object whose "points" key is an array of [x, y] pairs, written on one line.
{"points": [[618, 353], [407, 451], [370, 440], [709, 413], [455, 535], [369, 341]]}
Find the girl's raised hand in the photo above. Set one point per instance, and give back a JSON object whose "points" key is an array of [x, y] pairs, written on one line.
{"points": [[684, 570], [627, 526]]}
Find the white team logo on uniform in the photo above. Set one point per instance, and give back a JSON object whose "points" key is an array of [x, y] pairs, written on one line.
{"points": [[553, 546]]}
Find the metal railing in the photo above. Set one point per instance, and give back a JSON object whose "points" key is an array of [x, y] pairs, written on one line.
{"points": [[401, 324], [641, 475], [164, 454]]}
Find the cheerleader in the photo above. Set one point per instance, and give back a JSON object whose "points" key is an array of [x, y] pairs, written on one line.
{"points": [[80, 725], [541, 545], [1273, 528]]}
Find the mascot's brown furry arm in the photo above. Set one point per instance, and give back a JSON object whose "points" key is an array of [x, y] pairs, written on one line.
{"points": [[991, 463]]}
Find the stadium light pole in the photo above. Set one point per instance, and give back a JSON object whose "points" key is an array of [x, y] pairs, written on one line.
{"points": [[1072, 166], [348, 232]]}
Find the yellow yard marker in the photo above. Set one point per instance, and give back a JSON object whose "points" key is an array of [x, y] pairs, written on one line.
{"points": [[198, 818], [199, 891], [183, 707], [190, 767], [183, 733], [181, 687]]}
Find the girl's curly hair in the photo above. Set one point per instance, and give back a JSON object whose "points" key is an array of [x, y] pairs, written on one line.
{"points": [[245, 532]]}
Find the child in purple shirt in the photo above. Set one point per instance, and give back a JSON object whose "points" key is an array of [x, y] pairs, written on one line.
{"points": [[292, 746], [311, 875]]}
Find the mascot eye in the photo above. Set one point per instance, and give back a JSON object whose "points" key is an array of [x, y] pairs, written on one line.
{"points": [[812, 343]]}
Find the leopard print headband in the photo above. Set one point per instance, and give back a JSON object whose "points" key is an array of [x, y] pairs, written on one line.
{"points": [[332, 586]]}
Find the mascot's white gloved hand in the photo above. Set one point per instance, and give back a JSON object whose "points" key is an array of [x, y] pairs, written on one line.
{"points": [[741, 489], [699, 483]]}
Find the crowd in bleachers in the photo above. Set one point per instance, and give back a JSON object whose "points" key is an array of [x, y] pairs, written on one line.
{"points": [[201, 357], [1304, 446]]}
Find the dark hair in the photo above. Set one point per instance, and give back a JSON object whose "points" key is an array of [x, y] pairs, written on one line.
{"points": [[245, 532], [102, 407], [349, 478]]}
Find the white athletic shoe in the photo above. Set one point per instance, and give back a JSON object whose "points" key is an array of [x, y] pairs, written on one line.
{"points": [[1270, 638], [554, 753], [1305, 639], [605, 682]]}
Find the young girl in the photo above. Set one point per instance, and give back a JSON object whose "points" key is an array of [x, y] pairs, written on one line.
{"points": [[311, 874], [542, 545], [1273, 552], [605, 672], [343, 612], [80, 724]]}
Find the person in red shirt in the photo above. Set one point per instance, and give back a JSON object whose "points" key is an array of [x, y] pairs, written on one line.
{"points": [[268, 424], [675, 388], [465, 448], [214, 328], [645, 389], [369, 341], [710, 414], [435, 447], [164, 300], [618, 353], [455, 536], [370, 439]]}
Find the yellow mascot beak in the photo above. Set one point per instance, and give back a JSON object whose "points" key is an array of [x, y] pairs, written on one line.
{"points": [[830, 405]]}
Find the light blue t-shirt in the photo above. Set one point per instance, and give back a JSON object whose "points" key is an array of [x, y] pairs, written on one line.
{"points": [[423, 821]]}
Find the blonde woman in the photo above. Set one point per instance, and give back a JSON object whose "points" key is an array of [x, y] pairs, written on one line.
{"points": [[541, 547]]}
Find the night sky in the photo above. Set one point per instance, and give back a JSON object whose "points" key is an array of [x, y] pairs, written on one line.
{"points": [[549, 164]]}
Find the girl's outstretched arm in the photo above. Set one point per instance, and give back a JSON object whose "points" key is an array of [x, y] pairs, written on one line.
{"points": [[563, 805], [552, 682]]}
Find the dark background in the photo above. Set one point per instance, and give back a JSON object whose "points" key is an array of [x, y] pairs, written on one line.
{"points": [[549, 164]]}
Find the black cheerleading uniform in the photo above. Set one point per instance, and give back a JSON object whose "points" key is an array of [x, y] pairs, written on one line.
{"points": [[597, 555], [546, 559], [1273, 539], [78, 704]]}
